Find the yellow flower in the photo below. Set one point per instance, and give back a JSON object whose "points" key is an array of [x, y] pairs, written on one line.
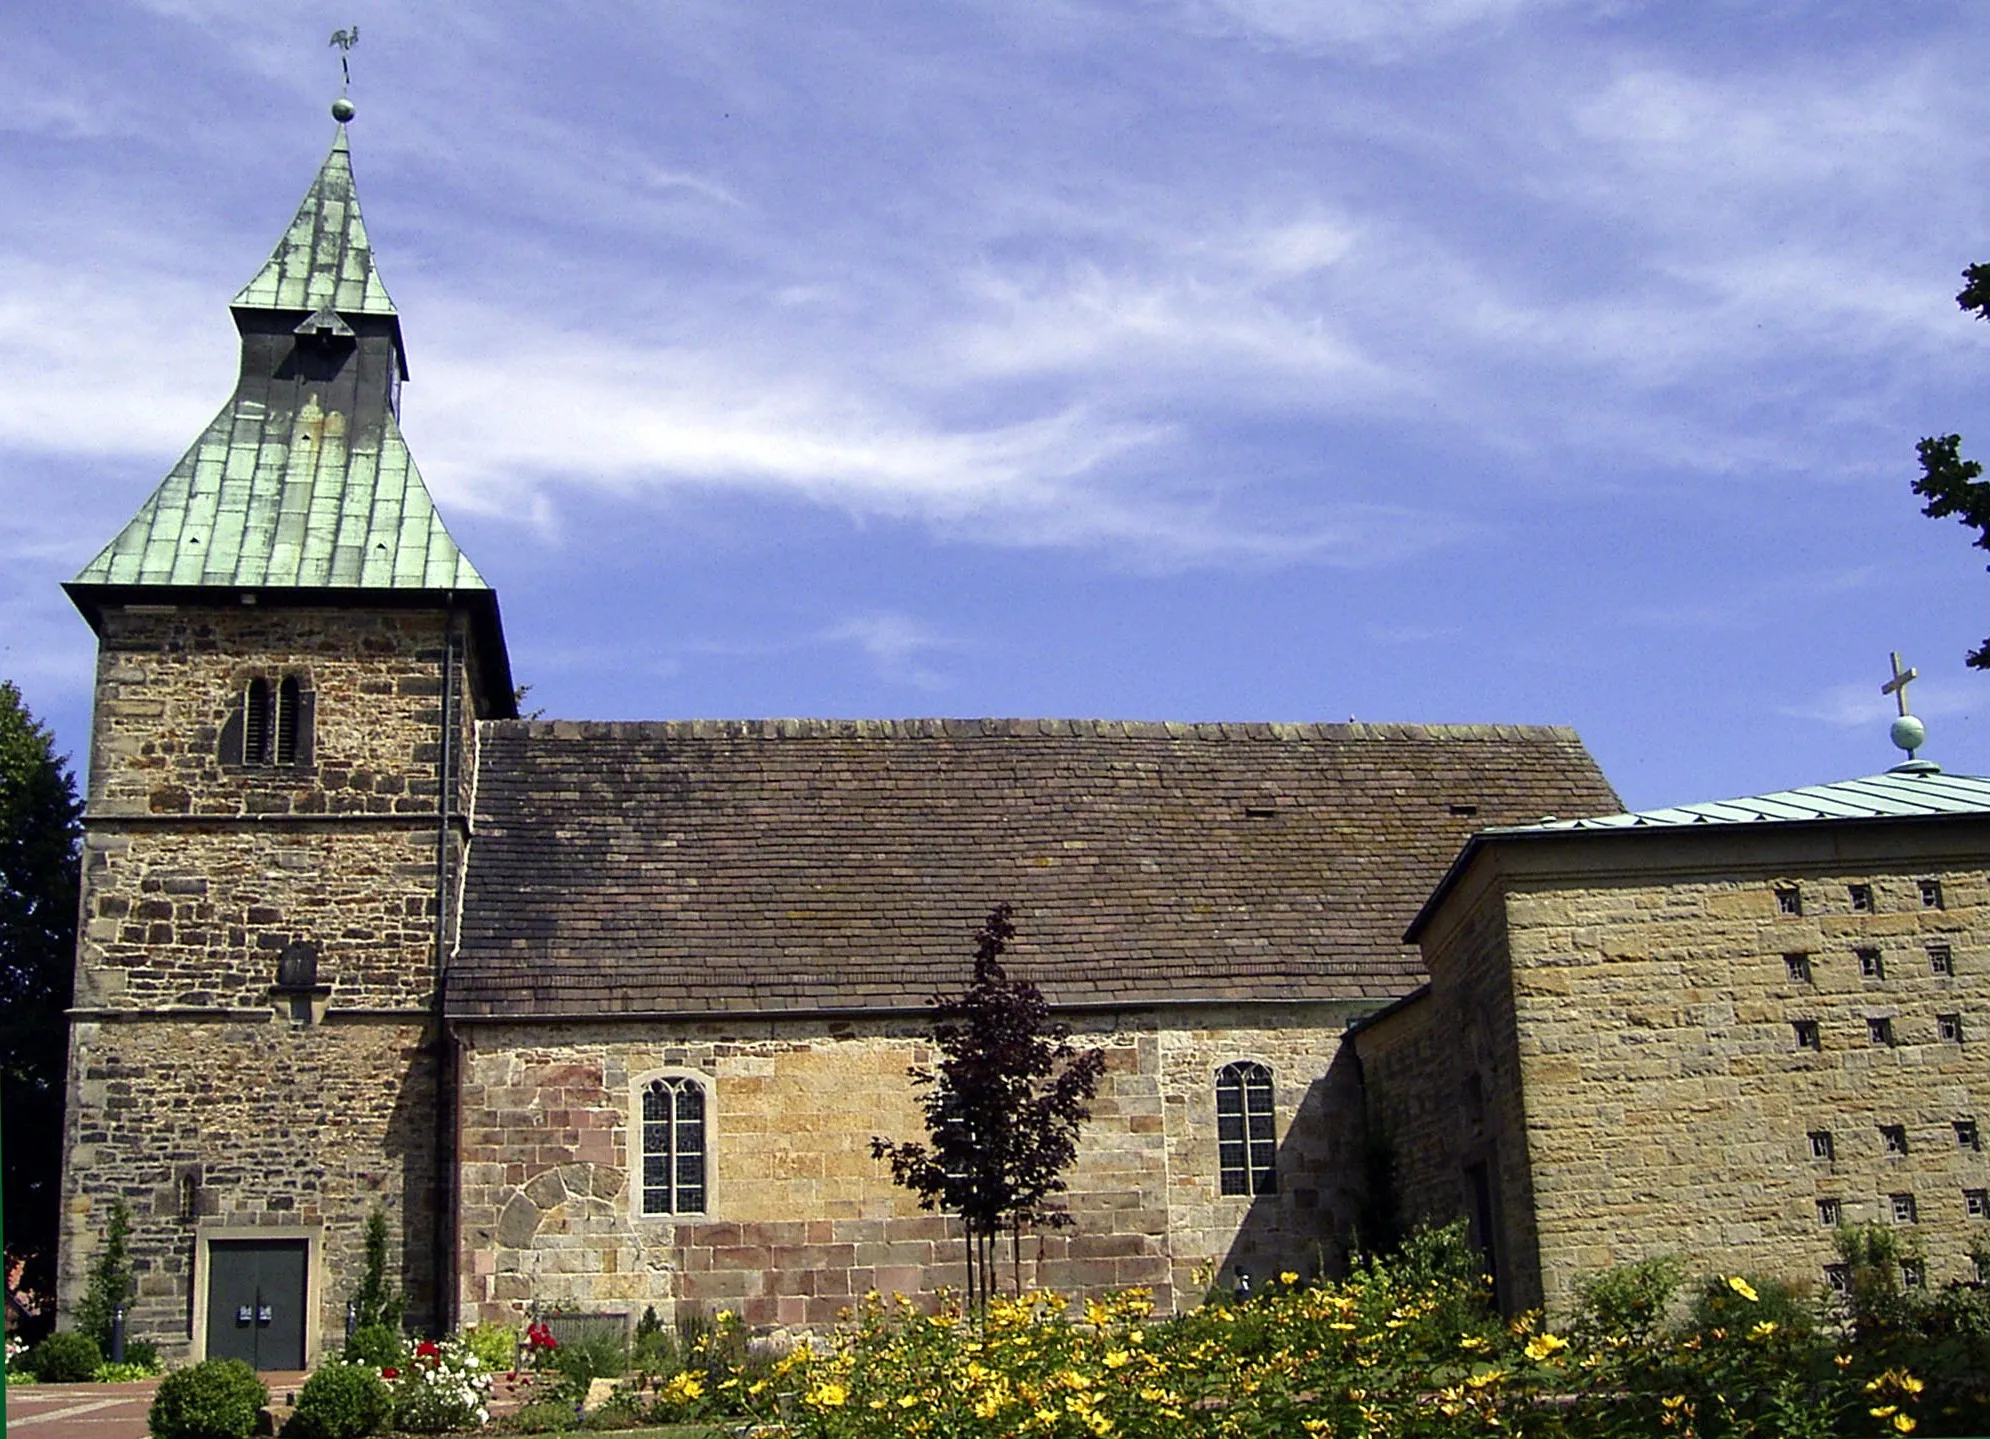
{"points": [[1743, 1288], [1763, 1330], [683, 1388], [1673, 1401], [1486, 1379], [1541, 1347], [1473, 1342], [1843, 1361], [1316, 1426], [1287, 1277], [907, 1401], [827, 1396], [1909, 1383], [1904, 1423], [1884, 1411], [1117, 1358]]}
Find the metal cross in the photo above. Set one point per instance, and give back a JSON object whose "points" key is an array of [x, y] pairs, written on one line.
{"points": [[1897, 686]]}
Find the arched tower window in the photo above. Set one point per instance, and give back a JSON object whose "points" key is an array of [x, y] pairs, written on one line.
{"points": [[674, 1147], [273, 721], [256, 718], [1246, 1136]]}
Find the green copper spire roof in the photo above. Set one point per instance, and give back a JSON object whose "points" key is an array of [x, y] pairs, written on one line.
{"points": [[323, 258], [303, 481]]}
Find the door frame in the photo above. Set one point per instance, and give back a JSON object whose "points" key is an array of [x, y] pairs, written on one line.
{"points": [[206, 1232]]}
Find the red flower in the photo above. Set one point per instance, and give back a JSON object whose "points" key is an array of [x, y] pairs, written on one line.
{"points": [[390, 1372], [428, 1349]]}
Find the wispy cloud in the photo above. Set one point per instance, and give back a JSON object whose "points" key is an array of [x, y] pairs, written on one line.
{"points": [[898, 646]]}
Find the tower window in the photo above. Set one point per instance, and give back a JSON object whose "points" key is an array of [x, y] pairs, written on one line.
{"points": [[1871, 966], [1821, 1146], [1798, 966], [1941, 959], [1976, 1203], [1246, 1137], [1879, 1031], [1913, 1274], [1861, 896], [1931, 894], [1838, 1278], [1830, 1212], [1903, 1208], [1966, 1136], [674, 1147], [1949, 1027], [1893, 1138], [1789, 899], [1809, 1034], [273, 721]]}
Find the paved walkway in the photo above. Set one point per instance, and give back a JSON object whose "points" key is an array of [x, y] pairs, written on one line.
{"points": [[100, 1411]]}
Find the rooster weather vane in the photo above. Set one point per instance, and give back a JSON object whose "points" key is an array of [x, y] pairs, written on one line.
{"points": [[345, 40]]}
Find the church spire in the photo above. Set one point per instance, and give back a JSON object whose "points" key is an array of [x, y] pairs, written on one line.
{"points": [[302, 484]]}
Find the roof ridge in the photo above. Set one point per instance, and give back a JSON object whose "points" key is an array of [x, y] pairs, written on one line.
{"points": [[995, 727]]}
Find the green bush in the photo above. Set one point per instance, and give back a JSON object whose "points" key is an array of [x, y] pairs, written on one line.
{"points": [[64, 1358], [589, 1355], [377, 1345], [1629, 1301], [340, 1401], [126, 1373], [215, 1399], [543, 1416], [495, 1345], [143, 1352]]}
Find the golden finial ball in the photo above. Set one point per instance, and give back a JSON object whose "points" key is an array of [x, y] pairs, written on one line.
{"points": [[342, 110]]}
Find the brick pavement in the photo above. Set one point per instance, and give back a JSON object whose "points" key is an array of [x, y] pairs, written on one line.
{"points": [[100, 1411]]}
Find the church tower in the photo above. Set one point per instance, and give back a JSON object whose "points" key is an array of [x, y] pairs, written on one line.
{"points": [[292, 657]]}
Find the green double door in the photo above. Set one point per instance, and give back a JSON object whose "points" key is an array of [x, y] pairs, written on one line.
{"points": [[255, 1301]]}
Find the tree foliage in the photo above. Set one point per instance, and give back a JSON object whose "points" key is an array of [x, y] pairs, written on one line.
{"points": [[1003, 1107], [40, 830], [110, 1279], [1949, 483]]}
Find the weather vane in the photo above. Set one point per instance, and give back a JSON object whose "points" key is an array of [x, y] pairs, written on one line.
{"points": [[345, 40]]}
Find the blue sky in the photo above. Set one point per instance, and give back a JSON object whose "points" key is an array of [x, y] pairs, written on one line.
{"points": [[1444, 360]]}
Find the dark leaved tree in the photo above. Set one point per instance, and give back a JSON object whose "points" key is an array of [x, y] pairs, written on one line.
{"points": [[39, 833], [1949, 483], [1003, 1110]]}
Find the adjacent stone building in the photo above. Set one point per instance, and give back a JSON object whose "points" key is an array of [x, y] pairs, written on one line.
{"points": [[1717, 1031]]}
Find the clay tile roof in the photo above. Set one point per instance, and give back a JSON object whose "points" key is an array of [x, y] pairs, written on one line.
{"points": [[817, 864]]}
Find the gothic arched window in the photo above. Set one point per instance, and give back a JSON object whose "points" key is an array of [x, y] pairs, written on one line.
{"points": [[673, 1147], [1246, 1137]]}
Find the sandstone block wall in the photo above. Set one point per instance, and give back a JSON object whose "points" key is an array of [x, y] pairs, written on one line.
{"points": [[1669, 1102], [800, 1218]]}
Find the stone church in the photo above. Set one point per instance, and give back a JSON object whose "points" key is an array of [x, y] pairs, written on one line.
{"points": [[602, 1016]]}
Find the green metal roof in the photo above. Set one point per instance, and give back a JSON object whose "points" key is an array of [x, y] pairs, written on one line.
{"points": [[303, 481], [257, 504], [1905, 791], [323, 259]]}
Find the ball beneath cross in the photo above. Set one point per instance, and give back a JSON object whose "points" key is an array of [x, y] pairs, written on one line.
{"points": [[342, 110], [1908, 733]]}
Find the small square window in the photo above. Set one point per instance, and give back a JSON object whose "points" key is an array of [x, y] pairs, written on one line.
{"points": [[1838, 1278], [1861, 896], [1879, 1031], [1809, 1034], [1830, 1212], [1949, 1027], [1893, 1138], [1941, 959], [1789, 899], [1976, 1203], [1903, 1208], [1799, 967], [1913, 1274], [1966, 1136], [1870, 965], [1931, 894], [1821, 1146]]}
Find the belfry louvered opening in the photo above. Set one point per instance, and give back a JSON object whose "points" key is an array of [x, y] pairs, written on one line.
{"points": [[272, 720]]}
